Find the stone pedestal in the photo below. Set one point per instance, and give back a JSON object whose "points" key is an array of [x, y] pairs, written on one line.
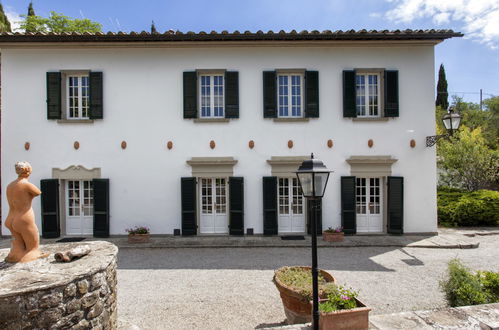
{"points": [[46, 294]]}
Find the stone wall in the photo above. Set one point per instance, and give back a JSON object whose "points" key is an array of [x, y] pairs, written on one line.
{"points": [[82, 302]]}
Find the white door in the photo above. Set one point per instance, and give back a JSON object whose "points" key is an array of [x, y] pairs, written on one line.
{"points": [[79, 207], [369, 205], [291, 207], [213, 199]]}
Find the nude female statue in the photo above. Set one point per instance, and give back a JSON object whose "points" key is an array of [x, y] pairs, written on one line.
{"points": [[21, 218]]}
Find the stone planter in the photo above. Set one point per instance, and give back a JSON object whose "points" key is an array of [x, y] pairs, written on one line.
{"points": [[138, 238], [333, 237], [296, 306], [356, 318]]}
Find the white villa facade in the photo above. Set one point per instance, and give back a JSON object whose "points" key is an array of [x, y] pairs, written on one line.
{"points": [[201, 133]]}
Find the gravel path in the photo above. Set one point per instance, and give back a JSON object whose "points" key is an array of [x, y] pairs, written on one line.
{"points": [[232, 288]]}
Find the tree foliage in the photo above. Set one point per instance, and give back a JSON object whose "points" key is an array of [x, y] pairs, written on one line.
{"points": [[442, 94], [59, 23], [465, 161], [31, 11], [4, 21]]}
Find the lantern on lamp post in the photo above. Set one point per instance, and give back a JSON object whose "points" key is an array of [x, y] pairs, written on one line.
{"points": [[312, 177]]}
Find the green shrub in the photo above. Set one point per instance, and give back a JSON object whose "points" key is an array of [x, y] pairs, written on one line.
{"points": [[339, 298], [463, 288], [463, 208], [300, 280]]}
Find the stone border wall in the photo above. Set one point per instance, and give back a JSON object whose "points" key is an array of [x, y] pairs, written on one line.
{"points": [[88, 302]]}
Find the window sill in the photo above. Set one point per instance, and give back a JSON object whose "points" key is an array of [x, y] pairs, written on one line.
{"points": [[211, 120], [370, 119], [75, 121], [290, 120]]}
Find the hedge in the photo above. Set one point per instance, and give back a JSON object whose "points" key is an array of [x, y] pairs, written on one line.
{"points": [[467, 208]]}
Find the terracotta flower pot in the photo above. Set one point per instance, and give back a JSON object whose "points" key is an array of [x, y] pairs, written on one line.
{"points": [[296, 306], [138, 238], [355, 318], [333, 237]]}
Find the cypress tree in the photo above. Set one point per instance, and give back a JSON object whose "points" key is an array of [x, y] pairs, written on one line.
{"points": [[31, 11], [4, 21], [442, 94], [153, 28]]}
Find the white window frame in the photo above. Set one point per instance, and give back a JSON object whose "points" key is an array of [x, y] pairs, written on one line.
{"points": [[211, 95], [366, 96], [289, 95], [80, 97]]}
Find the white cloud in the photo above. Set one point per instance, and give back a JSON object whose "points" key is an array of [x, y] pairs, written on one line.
{"points": [[13, 18], [478, 19]]}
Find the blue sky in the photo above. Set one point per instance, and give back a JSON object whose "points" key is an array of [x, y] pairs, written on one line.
{"points": [[471, 63]]}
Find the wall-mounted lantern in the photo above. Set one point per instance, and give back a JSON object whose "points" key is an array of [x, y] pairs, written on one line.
{"points": [[451, 122]]}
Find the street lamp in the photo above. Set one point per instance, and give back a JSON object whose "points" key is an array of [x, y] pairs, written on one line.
{"points": [[451, 122], [312, 177]]}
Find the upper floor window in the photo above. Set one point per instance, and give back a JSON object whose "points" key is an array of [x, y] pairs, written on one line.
{"points": [[290, 95], [77, 96], [367, 94], [211, 96], [370, 94]]}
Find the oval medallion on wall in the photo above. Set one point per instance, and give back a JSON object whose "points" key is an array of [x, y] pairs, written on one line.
{"points": [[27, 145], [212, 144], [413, 143], [169, 145], [123, 144], [251, 144], [290, 144], [76, 145], [370, 143], [330, 143]]}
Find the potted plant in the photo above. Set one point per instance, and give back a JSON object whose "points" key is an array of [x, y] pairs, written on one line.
{"points": [[295, 288], [333, 234], [138, 234], [342, 310]]}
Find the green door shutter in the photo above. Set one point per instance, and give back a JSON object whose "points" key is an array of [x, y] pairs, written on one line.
{"points": [[391, 93], [348, 213], [96, 96], [231, 94], [312, 94], [318, 215], [269, 94], [190, 95], [50, 208], [236, 204], [349, 95], [101, 207], [270, 205], [395, 205], [189, 211], [53, 95]]}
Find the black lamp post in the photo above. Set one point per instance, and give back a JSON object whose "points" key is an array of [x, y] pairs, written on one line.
{"points": [[313, 176], [451, 122]]}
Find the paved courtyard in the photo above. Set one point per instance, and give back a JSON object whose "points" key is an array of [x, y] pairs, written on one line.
{"points": [[231, 288]]}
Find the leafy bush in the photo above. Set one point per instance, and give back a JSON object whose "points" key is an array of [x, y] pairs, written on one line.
{"points": [[137, 230], [463, 208], [339, 298], [463, 288]]}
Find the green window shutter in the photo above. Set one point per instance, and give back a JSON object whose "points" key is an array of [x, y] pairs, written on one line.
{"points": [[96, 96], [312, 94], [391, 93], [349, 94], [395, 205], [318, 215], [270, 205], [190, 95], [101, 207], [50, 208], [231, 94], [269, 94], [236, 205], [188, 199], [53, 95], [348, 212]]}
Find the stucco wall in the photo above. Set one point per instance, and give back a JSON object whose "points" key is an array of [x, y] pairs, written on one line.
{"points": [[143, 105]]}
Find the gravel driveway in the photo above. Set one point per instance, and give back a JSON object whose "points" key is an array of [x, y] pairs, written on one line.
{"points": [[232, 288]]}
